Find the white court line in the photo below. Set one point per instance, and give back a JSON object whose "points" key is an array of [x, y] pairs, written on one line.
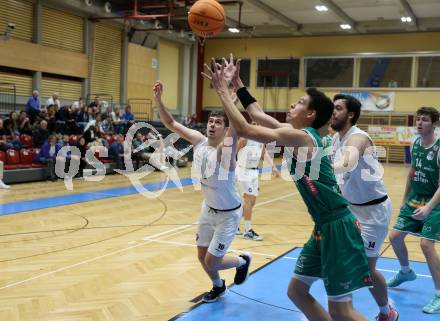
{"points": [[177, 229], [148, 240]]}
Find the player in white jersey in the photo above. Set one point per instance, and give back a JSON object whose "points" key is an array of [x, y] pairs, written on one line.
{"points": [[248, 160], [214, 165], [359, 175]]}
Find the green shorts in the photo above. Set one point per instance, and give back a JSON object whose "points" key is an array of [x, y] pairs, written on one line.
{"points": [[335, 253], [429, 228]]}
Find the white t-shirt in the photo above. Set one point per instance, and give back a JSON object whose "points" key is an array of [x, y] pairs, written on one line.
{"points": [[365, 182], [217, 184], [249, 156]]}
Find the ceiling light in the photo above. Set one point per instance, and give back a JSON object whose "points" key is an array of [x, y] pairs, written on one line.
{"points": [[234, 30], [321, 8], [345, 26], [406, 19]]}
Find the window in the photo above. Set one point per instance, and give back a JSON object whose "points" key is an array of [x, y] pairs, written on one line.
{"points": [[278, 72], [385, 72], [429, 72], [245, 70], [329, 72]]}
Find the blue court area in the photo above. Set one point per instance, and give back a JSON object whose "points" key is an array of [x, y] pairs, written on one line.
{"points": [[69, 199], [263, 296]]}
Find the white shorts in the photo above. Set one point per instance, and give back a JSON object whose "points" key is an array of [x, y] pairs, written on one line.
{"points": [[248, 181], [217, 230], [374, 221]]}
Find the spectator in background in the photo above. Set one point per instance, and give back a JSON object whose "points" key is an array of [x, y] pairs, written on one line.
{"points": [[92, 113], [127, 118], [190, 120], [41, 134], [96, 105], [83, 118], [116, 120], [51, 119], [53, 100], [82, 146], [79, 104], [116, 152], [89, 134], [12, 136], [24, 124], [33, 106], [4, 146], [47, 155], [107, 125], [13, 117], [141, 155]]}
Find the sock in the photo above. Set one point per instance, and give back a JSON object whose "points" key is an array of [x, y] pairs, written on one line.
{"points": [[217, 282], [437, 293], [241, 261], [385, 309], [405, 269], [247, 225]]}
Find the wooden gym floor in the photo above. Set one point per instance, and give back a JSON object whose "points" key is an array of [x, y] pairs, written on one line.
{"points": [[103, 256]]}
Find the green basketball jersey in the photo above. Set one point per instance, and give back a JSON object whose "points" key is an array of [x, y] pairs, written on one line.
{"points": [[424, 173], [317, 184]]}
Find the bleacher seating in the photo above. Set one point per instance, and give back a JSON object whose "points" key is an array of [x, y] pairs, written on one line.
{"points": [[12, 159]]}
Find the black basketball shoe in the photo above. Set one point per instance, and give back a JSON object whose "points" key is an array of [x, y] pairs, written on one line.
{"points": [[242, 271], [215, 293]]}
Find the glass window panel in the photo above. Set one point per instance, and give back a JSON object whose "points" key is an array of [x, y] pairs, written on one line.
{"points": [[385, 72], [278, 73], [429, 72], [329, 72]]}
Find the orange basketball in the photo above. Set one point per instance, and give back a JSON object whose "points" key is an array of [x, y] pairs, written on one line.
{"points": [[206, 18]]}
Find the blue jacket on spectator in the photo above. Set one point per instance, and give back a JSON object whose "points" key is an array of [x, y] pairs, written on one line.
{"points": [[33, 103], [128, 116], [115, 150], [45, 152]]}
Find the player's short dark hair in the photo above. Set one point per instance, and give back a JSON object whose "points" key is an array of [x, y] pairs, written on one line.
{"points": [[323, 106], [432, 112], [220, 113], [353, 106]]}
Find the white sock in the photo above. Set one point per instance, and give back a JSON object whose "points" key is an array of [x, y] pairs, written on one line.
{"points": [[241, 261], [385, 309], [217, 282], [437, 293], [405, 269], [247, 225]]}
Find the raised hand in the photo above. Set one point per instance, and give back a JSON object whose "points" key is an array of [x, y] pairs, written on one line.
{"points": [[232, 72], [215, 73], [158, 90]]}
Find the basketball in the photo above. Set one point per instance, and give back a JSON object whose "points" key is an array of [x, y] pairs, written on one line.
{"points": [[206, 18]]}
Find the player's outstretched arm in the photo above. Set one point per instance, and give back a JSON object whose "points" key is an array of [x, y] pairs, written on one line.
{"points": [[353, 150], [231, 142], [284, 136], [253, 109], [190, 135]]}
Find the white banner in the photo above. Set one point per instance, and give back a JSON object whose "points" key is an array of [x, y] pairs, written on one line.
{"points": [[374, 101]]}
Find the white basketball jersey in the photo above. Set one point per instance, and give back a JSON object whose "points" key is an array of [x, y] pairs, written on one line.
{"points": [[249, 156], [365, 182], [217, 183]]}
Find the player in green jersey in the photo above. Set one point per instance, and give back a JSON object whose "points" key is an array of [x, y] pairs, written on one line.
{"points": [[336, 233], [420, 211]]}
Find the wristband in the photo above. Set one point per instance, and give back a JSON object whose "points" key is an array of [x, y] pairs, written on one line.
{"points": [[245, 97]]}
